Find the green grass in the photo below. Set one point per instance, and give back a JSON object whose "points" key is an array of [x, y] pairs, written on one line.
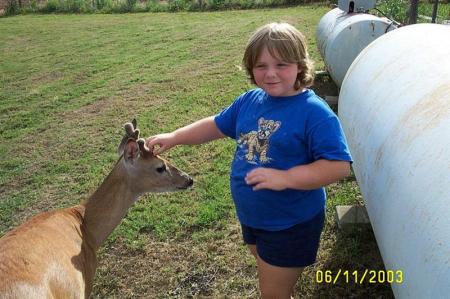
{"points": [[67, 85]]}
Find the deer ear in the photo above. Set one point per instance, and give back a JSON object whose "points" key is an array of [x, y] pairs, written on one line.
{"points": [[131, 150], [122, 144]]}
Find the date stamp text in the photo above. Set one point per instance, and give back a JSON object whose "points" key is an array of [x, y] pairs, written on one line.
{"points": [[359, 276]]}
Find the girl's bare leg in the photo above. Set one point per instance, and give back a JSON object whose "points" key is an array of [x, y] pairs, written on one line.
{"points": [[275, 282]]}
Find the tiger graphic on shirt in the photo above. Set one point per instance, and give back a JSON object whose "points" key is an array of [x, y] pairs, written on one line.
{"points": [[258, 141]]}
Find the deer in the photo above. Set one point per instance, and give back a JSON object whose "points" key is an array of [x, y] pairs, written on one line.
{"points": [[53, 255]]}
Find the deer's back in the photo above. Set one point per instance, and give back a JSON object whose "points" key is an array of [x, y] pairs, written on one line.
{"points": [[46, 257]]}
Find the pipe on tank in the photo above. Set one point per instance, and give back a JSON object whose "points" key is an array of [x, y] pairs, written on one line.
{"points": [[394, 105], [341, 36]]}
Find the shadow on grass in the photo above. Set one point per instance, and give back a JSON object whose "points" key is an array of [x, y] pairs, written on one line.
{"points": [[354, 253], [324, 86]]}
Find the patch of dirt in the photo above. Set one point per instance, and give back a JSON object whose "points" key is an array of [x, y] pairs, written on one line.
{"points": [[177, 269], [224, 268], [324, 86]]}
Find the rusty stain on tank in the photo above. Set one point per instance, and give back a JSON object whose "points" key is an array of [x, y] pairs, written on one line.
{"points": [[425, 115]]}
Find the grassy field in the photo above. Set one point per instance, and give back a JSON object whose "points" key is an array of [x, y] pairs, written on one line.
{"points": [[67, 85]]}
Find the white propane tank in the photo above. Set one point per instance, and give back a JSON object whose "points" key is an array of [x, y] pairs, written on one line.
{"points": [[341, 36], [394, 106]]}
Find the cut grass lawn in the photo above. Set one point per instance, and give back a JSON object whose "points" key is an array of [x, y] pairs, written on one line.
{"points": [[67, 85]]}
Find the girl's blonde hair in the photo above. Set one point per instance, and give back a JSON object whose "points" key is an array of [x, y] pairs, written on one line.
{"points": [[285, 42]]}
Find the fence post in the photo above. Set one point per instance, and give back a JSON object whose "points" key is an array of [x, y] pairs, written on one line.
{"points": [[435, 7], [413, 11]]}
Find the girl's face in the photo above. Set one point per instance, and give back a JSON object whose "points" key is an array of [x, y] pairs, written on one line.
{"points": [[275, 76]]}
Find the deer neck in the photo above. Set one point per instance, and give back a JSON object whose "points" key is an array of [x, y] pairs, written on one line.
{"points": [[105, 209]]}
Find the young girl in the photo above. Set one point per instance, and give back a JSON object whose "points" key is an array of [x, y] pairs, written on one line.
{"points": [[289, 145]]}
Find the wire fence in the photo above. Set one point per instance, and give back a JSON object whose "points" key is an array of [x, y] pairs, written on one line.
{"points": [[427, 11]]}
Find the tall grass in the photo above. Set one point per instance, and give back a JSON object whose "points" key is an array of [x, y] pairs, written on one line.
{"points": [[398, 10], [125, 6], [393, 9]]}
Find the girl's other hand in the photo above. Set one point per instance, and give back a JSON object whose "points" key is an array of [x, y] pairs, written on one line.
{"points": [[160, 143], [266, 178]]}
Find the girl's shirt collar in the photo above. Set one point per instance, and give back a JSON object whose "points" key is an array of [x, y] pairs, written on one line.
{"points": [[288, 98]]}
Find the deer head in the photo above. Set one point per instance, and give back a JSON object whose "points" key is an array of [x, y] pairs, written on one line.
{"points": [[147, 172]]}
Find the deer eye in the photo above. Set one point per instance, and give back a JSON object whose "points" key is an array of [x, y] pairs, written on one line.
{"points": [[161, 169]]}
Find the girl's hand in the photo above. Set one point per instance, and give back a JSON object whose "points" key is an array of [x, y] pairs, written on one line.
{"points": [[266, 178], [162, 141]]}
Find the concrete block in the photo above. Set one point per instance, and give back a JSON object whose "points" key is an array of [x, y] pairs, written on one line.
{"points": [[349, 217]]}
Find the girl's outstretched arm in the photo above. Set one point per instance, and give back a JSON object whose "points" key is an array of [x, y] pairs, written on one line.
{"points": [[199, 132]]}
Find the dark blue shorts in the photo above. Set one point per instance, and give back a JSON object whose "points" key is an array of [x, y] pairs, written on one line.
{"points": [[293, 247]]}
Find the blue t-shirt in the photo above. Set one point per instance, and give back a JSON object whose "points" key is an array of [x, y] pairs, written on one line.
{"points": [[280, 133]]}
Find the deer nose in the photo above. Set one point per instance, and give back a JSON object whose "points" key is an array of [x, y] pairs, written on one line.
{"points": [[190, 182]]}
